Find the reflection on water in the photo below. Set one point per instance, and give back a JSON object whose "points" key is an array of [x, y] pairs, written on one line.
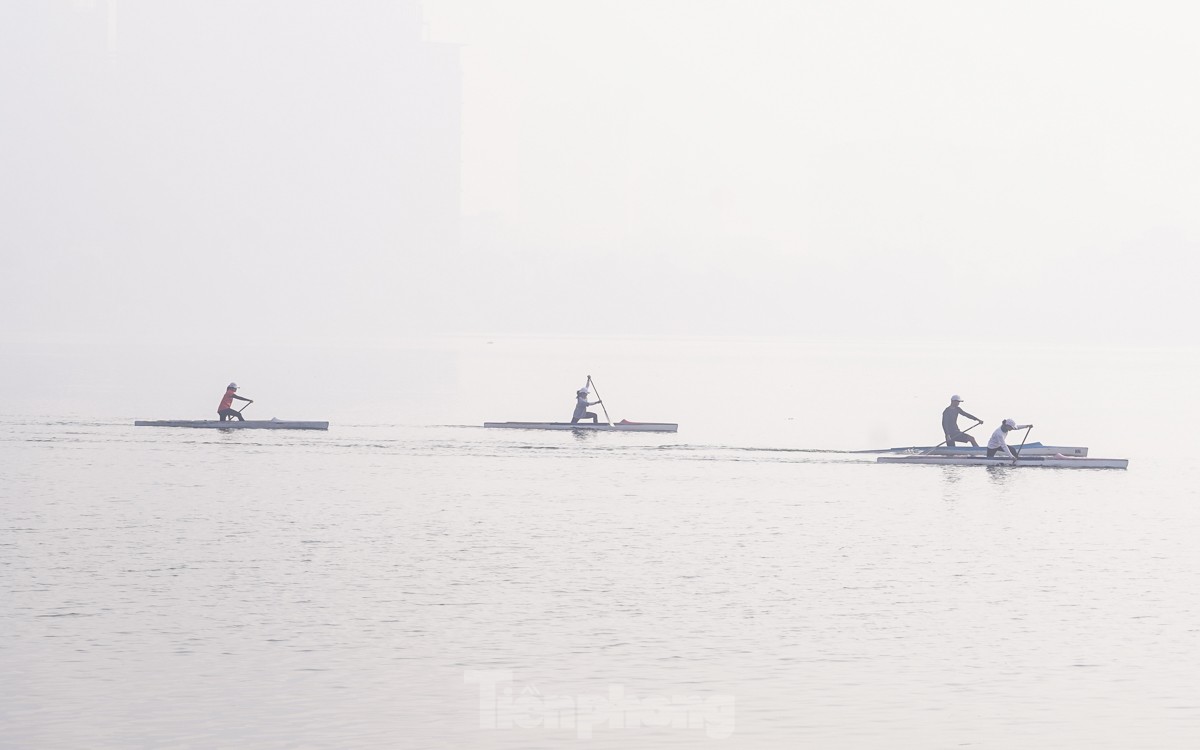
{"points": [[585, 435], [999, 474], [951, 475]]}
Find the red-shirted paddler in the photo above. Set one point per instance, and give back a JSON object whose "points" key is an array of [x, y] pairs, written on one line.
{"points": [[226, 410]]}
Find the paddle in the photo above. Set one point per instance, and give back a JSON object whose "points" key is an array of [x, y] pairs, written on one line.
{"points": [[1022, 445], [601, 400], [939, 445]]}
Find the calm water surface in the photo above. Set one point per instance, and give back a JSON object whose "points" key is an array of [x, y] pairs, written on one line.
{"points": [[426, 583]]}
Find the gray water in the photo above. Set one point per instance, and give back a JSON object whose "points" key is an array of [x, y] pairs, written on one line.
{"points": [[408, 579]]}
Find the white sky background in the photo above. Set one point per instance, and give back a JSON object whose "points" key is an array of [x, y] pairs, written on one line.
{"points": [[846, 166], [1015, 170]]}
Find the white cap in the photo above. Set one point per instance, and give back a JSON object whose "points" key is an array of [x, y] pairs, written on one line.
{"points": [[956, 397], [232, 385], [1010, 423]]}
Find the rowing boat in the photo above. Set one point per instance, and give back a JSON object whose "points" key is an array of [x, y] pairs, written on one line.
{"points": [[622, 426], [1045, 462], [1029, 449], [249, 424]]}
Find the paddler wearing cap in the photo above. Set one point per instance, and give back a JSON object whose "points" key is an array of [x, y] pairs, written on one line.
{"points": [[950, 417], [226, 410], [998, 443], [581, 405]]}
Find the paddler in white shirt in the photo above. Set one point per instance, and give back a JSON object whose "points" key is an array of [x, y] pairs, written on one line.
{"points": [[998, 442]]}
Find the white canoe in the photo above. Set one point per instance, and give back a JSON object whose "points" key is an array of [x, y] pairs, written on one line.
{"points": [[1046, 462], [622, 426], [249, 424], [1029, 449]]}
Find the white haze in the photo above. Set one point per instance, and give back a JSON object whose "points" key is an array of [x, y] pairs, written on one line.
{"points": [[310, 172]]}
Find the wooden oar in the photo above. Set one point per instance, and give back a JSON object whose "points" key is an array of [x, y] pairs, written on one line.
{"points": [[601, 400], [939, 445]]}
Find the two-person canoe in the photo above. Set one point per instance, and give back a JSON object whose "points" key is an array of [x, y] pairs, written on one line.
{"points": [[249, 424], [622, 426], [1045, 462], [1029, 449]]}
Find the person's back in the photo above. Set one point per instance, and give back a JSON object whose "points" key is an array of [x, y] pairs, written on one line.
{"points": [[950, 419]]}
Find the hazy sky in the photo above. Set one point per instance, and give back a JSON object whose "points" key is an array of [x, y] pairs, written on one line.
{"points": [[305, 171]]}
